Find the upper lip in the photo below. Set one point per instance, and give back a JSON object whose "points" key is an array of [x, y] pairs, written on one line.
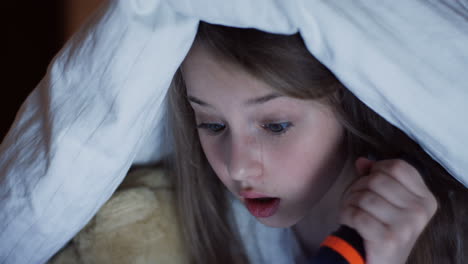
{"points": [[253, 195]]}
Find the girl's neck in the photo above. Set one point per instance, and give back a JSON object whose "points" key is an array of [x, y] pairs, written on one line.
{"points": [[324, 217]]}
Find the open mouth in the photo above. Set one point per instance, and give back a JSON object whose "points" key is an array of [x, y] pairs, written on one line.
{"points": [[262, 207]]}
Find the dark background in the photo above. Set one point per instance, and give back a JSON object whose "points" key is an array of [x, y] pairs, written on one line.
{"points": [[35, 31]]}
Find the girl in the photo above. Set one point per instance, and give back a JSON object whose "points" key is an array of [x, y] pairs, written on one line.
{"points": [[256, 114], [85, 124]]}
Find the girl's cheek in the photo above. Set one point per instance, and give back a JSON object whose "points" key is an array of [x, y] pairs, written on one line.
{"points": [[214, 152]]}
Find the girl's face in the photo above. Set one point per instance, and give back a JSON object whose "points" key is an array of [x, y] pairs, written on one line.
{"points": [[261, 143]]}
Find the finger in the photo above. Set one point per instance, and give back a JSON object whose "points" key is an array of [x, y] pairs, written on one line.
{"points": [[369, 227], [417, 194], [404, 173], [387, 187], [377, 206]]}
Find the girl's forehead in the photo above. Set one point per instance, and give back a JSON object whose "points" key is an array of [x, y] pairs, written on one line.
{"points": [[208, 75]]}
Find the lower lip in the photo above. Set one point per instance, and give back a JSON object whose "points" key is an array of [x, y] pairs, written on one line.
{"points": [[262, 208]]}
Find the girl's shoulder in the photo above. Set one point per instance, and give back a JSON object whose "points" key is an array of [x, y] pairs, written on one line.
{"points": [[136, 225]]}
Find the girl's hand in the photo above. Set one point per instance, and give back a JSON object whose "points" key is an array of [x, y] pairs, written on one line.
{"points": [[389, 206]]}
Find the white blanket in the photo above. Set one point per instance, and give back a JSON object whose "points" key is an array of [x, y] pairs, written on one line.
{"points": [[99, 108]]}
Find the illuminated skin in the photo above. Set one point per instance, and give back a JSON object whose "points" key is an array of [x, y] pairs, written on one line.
{"points": [[297, 159], [257, 140]]}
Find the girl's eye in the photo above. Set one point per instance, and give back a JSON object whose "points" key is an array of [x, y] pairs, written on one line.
{"points": [[277, 128], [212, 127]]}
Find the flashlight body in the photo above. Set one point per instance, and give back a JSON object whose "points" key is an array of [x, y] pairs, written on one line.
{"points": [[344, 246]]}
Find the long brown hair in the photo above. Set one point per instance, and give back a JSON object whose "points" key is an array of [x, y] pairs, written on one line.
{"points": [[285, 64]]}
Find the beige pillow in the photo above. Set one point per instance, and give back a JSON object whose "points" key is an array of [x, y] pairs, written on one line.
{"points": [[137, 225]]}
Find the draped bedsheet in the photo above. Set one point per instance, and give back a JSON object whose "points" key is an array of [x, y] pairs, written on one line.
{"points": [[101, 106]]}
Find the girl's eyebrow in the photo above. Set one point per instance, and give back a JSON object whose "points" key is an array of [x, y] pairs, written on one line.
{"points": [[262, 99], [197, 101], [250, 102]]}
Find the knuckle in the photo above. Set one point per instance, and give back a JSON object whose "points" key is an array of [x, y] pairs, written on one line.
{"points": [[375, 181], [433, 205], [361, 219], [395, 166], [404, 233], [359, 198], [419, 210], [408, 168], [369, 200], [420, 215], [413, 203], [365, 199]]}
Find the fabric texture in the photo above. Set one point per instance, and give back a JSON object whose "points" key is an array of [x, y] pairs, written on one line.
{"points": [[137, 225], [79, 131], [100, 107]]}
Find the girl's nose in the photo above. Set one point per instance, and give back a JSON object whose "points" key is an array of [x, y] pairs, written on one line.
{"points": [[244, 159]]}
